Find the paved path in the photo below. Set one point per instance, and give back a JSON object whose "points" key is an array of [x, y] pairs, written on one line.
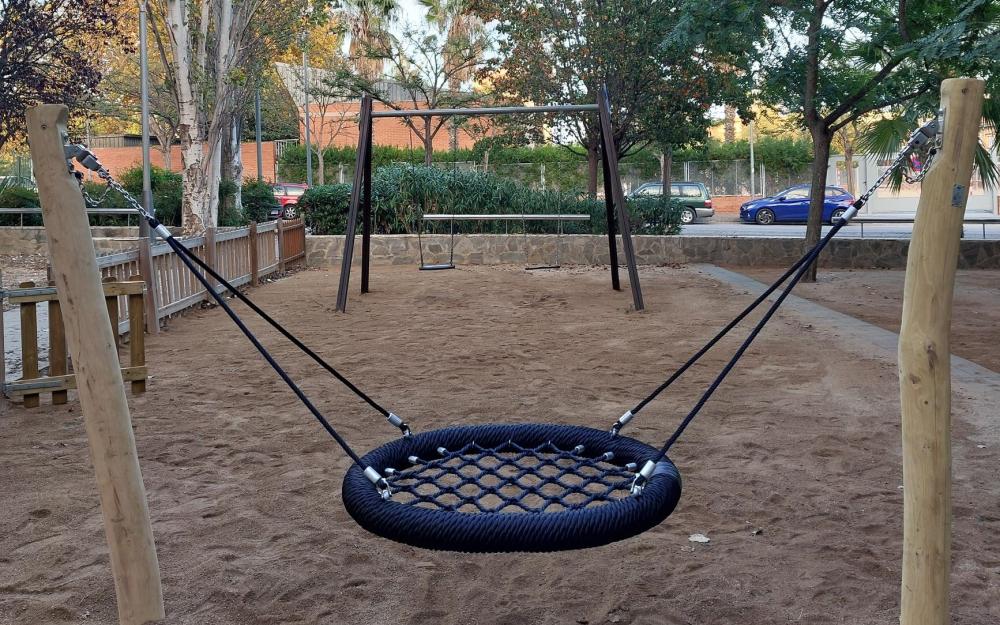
{"points": [[714, 228], [976, 386]]}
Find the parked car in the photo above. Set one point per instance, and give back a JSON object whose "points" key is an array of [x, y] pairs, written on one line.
{"points": [[693, 195], [288, 195], [792, 204]]}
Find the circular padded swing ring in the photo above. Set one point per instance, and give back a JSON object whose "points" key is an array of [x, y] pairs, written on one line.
{"points": [[494, 488]]}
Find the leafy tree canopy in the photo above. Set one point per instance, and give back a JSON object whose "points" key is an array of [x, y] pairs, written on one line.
{"points": [[50, 52]]}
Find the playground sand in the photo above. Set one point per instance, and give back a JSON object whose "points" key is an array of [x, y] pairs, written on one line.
{"points": [[876, 295], [792, 471]]}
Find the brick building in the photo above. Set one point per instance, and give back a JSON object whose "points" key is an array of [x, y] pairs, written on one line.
{"points": [[121, 152], [333, 122]]}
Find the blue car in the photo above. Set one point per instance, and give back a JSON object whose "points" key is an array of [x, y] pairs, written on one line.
{"points": [[792, 204]]}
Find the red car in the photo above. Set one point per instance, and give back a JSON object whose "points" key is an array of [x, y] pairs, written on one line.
{"points": [[288, 195]]}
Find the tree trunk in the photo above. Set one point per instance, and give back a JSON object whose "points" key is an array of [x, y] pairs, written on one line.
{"points": [[428, 143], [592, 159], [821, 155], [666, 169], [849, 165], [729, 124], [236, 163], [321, 167]]}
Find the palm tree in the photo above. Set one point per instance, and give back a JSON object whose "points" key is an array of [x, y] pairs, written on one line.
{"points": [[884, 136], [369, 22], [460, 26]]}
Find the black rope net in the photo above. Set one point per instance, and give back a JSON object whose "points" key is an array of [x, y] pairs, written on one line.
{"points": [[510, 478]]}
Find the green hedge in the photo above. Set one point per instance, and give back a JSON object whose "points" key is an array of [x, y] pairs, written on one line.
{"points": [[563, 169], [258, 200], [402, 193]]}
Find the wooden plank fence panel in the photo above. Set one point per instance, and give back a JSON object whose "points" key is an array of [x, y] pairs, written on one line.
{"points": [[58, 361], [136, 338], [29, 345]]}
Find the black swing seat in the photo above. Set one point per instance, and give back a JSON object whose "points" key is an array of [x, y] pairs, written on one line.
{"points": [[437, 267], [511, 488]]}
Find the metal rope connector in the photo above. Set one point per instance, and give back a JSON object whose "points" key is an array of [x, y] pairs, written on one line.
{"points": [[640, 481], [398, 422], [621, 422], [380, 482]]}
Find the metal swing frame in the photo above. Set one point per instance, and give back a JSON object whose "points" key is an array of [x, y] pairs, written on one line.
{"points": [[614, 196]]}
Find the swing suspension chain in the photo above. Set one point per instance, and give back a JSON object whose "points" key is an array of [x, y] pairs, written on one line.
{"points": [[922, 137]]}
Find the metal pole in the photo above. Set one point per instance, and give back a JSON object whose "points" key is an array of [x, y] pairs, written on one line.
{"points": [[147, 185], [305, 91], [753, 182], [257, 124]]}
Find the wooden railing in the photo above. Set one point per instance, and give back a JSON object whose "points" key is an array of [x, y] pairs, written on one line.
{"points": [[121, 296], [240, 255]]}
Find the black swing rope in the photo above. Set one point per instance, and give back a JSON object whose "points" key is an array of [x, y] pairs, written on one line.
{"points": [[919, 139]]}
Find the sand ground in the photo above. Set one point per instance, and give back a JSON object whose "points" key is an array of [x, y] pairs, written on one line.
{"points": [[876, 296], [793, 470]]}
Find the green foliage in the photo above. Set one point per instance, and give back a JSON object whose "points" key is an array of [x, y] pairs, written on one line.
{"points": [[325, 208], [228, 215], [402, 193], [258, 200], [19, 197], [166, 188]]}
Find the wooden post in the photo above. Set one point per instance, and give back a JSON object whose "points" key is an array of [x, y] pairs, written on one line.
{"points": [[136, 336], [624, 225], [366, 205], [254, 260], [99, 378], [210, 256], [925, 360], [29, 345], [111, 301], [281, 245], [148, 273], [57, 348]]}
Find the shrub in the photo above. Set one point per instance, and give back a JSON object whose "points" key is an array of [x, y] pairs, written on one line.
{"points": [[258, 200], [165, 185], [402, 193], [325, 208], [655, 215], [19, 197]]}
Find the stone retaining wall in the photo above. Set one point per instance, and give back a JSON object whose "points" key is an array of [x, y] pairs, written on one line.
{"points": [[31, 239], [487, 249]]}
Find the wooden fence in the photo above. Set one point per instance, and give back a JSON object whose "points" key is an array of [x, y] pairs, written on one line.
{"points": [[240, 255], [119, 295]]}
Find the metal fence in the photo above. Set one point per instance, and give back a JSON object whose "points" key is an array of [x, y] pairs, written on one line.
{"points": [[720, 177]]}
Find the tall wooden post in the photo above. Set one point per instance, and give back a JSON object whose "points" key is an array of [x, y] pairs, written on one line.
{"points": [[281, 245], [366, 206], [925, 360], [148, 273], [99, 379], [254, 258], [364, 126], [210, 259], [611, 171]]}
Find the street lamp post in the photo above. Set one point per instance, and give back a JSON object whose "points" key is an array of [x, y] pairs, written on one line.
{"points": [[305, 91], [257, 131], [147, 186]]}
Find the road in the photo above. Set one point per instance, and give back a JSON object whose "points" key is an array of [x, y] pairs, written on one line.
{"points": [[716, 228]]}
